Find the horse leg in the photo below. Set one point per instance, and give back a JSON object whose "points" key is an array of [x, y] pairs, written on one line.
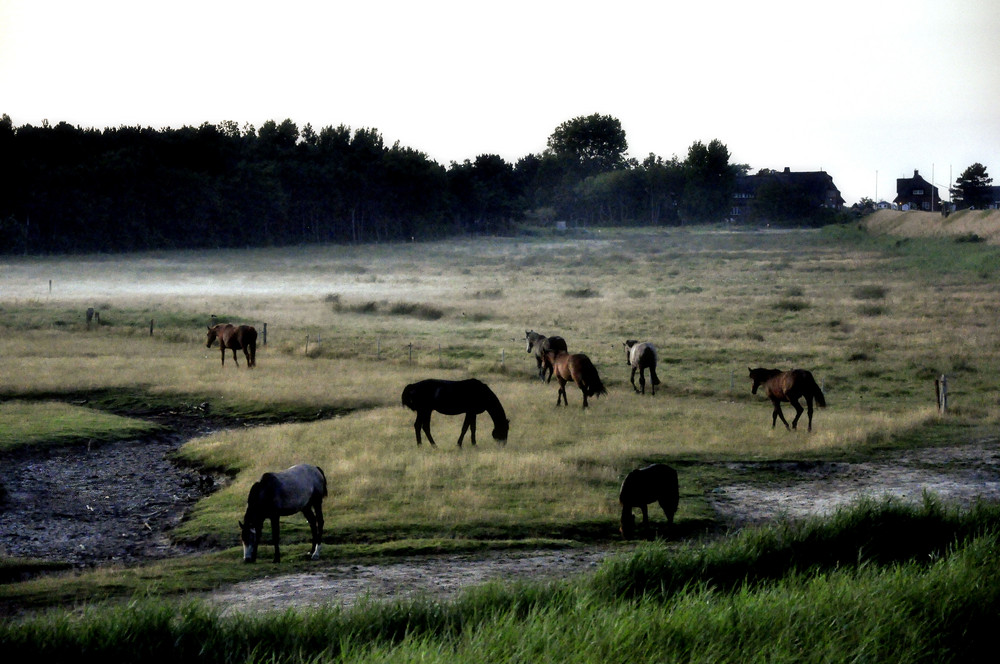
{"points": [[798, 412], [642, 380], [665, 505], [223, 353], [777, 413], [468, 425], [234, 357], [315, 518], [809, 410], [246, 354], [632, 379], [583, 389], [645, 516], [426, 425], [274, 536], [653, 380]]}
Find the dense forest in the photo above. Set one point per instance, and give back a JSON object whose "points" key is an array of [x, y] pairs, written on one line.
{"points": [[66, 189]]}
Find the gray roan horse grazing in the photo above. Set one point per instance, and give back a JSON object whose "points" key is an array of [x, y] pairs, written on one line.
{"points": [[234, 337], [540, 345], [299, 489], [642, 356], [455, 397], [788, 386], [656, 483]]}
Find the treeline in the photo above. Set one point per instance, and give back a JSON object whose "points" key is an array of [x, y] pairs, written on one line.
{"points": [[69, 189]]}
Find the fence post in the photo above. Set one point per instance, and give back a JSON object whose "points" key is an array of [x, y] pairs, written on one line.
{"points": [[378, 349], [152, 321], [307, 344], [410, 352], [265, 334], [941, 388], [90, 316]]}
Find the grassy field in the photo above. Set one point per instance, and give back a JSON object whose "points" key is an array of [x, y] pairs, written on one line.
{"points": [[875, 319]]}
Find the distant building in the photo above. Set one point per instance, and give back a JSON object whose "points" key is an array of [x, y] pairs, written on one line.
{"points": [[804, 191], [916, 193]]}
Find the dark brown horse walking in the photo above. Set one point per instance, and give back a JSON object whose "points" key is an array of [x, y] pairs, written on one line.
{"points": [[575, 367], [656, 483], [539, 345], [234, 337], [455, 397], [642, 356], [788, 386]]}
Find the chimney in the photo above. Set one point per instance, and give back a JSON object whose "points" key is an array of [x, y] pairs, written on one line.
{"points": [[788, 170], [916, 174]]}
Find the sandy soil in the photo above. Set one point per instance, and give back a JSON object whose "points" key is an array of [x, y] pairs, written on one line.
{"points": [[117, 503]]}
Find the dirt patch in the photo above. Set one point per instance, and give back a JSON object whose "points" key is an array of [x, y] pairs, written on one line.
{"points": [[959, 475], [91, 505], [439, 577]]}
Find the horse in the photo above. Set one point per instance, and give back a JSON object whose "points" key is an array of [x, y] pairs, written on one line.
{"points": [[234, 337], [575, 367], [642, 356], [301, 488], [788, 386], [454, 397], [655, 483], [539, 345]]}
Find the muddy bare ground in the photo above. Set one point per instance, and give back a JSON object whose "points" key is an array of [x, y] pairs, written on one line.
{"points": [[117, 503]]}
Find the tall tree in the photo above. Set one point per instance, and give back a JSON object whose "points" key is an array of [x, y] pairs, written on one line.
{"points": [[711, 181], [972, 188], [590, 145]]}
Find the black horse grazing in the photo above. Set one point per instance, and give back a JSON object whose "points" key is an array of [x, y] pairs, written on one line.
{"points": [[788, 386], [656, 483], [540, 345], [454, 397], [299, 489], [575, 367], [234, 337], [642, 356]]}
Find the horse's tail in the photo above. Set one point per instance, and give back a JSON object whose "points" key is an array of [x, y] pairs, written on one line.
{"points": [[816, 392], [323, 475], [593, 381], [652, 375]]}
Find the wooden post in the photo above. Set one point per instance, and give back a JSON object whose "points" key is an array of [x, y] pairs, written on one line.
{"points": [[410, 351], [503, 356], [265, 334], [941, 387], [307, 344], [378, 349], [90, 316], [440, 359], [151, 323]]}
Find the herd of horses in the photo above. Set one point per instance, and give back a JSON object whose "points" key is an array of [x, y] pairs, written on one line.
{"points": [[302, 488]]}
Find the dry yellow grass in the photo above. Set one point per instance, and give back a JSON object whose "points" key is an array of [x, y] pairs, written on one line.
{"points": [[984, 223]]}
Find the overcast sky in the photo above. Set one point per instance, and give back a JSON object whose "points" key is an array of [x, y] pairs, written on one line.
{"points": [[868, 91]]}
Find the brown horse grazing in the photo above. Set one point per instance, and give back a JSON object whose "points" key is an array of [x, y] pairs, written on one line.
{"points": [[642, 356], [299, 489], [575, 367], [539, 345], [656, 483], [788, 386], [454, 397], [235, 337]]}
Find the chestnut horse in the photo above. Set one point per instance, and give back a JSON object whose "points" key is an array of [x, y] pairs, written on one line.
{"points": [[539, 345], [656, 483], [642, 356], [454, 397], [235, 337], [788, 386], [299, 489], [575, 367]]}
